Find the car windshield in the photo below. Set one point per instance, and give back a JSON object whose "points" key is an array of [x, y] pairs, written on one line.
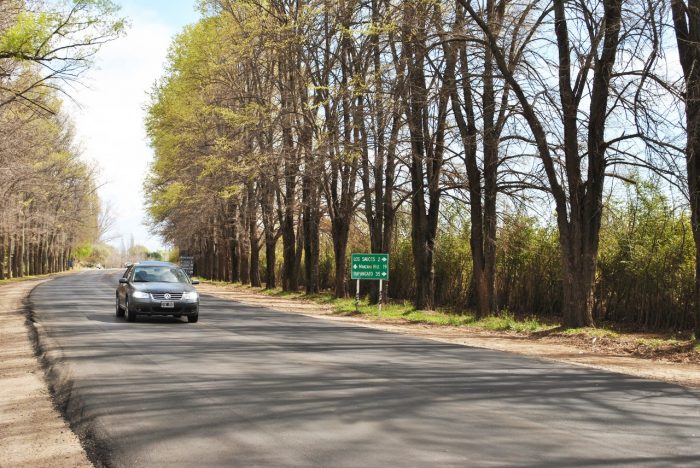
{"points": [[159, 274]]}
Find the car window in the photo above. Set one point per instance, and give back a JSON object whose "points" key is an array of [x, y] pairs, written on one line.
{"points": [[159, 274]]}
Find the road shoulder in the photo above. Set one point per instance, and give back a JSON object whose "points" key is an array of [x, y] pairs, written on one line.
{"points": [[686, 374], [32, 432]]}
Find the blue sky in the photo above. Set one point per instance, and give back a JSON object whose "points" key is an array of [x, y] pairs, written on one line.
{"points": [[174, 13], [109, 110]]}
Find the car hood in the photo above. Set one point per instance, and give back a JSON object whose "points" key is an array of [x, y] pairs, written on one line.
{"points": [[163, 287]]}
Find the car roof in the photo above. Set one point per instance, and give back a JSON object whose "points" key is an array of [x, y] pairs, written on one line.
{"points": [[156, 263]]}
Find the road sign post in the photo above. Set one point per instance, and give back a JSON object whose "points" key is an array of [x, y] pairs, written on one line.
{"points": [[187, 264], [369, 267]]}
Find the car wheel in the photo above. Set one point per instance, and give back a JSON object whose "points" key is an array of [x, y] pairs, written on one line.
{"points": [[193, 318], [130, 315], [120, 311]]}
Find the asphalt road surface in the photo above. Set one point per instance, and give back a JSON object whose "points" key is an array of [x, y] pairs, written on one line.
{"points": [[248, 386]]}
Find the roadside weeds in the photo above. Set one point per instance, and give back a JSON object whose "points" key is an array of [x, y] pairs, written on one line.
{"points": [[640, 355]]}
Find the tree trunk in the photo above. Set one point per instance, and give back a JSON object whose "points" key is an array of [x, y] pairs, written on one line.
{"points": [[425, 273], [270, 260], [299, 249], [578, 293], [312, 220], [340, 248], [289, 266], [267, 208], [252, 213], [244, 238], [578, 200], [288, 65], [211, 259], [11, 268], [234, 249], [686, 22], [255, 265], [31, 259], [36, 256], [20, 257], [311, 251], [427, 149], [3, 256]]}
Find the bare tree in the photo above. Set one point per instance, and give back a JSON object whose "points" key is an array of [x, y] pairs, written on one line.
{"points": [[686, 22]]}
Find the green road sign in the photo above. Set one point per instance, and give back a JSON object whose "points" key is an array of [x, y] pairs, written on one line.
{"points": [[370, 267]]}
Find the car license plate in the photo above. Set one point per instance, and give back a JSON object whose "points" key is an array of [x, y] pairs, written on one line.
{"points": [[167, 305]]}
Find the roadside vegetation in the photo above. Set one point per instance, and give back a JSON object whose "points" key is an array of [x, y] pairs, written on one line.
{"points": [[607, 339], [403, 311], [50, 213], [522, 160]]}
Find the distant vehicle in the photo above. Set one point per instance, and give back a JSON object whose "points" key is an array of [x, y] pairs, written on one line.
{"points": [[99, 266], [157, 288]]}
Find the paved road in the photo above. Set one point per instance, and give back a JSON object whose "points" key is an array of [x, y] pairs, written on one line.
{"points": [[248, 386]]}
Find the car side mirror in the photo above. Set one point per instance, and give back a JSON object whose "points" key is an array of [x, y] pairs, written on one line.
{"points": [[123, 281], [195, 281]]}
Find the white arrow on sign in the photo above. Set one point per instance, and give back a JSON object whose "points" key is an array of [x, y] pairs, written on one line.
{"points": [[383, 259], [384, 274]]}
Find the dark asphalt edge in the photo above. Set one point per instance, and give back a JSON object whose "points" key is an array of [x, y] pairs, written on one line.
{"points": [[67, 402]]}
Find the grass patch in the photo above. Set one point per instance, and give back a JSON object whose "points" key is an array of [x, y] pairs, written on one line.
{"points": [[406, 312], [656, 343], [507, 322], [401, 311], [592, 332]]}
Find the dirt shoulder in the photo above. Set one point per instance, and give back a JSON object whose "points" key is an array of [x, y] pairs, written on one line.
{"points": [[621, 354], [32, 432]]}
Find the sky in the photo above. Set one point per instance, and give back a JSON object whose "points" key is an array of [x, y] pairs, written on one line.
{"points": [[108, 110]]}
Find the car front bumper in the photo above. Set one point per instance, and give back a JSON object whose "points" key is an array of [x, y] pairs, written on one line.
{"points": [[151, 307]]}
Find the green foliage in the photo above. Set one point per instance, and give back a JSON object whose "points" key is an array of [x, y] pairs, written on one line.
{"points": [[453, 257], [528, 266], [174, 256], [30, 34], [646, 263], [90, 255], [155, 256], [44, 45], [507, 322], [231, 112], [657, 343], [82, 252], [61, 30], [401, 268]]}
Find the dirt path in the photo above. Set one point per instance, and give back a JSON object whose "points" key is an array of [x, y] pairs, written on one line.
{"points": [[32, 433], [686, 374]]}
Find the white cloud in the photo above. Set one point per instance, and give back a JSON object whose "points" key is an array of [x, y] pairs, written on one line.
{"points": [[109, 119]]}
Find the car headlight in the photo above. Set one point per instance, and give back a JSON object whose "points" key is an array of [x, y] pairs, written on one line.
{"points": [[190, 296], [141, 295]]}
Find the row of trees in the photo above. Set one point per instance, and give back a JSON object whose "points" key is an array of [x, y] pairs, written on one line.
{"points": [[312, 120], [49, 205]]}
